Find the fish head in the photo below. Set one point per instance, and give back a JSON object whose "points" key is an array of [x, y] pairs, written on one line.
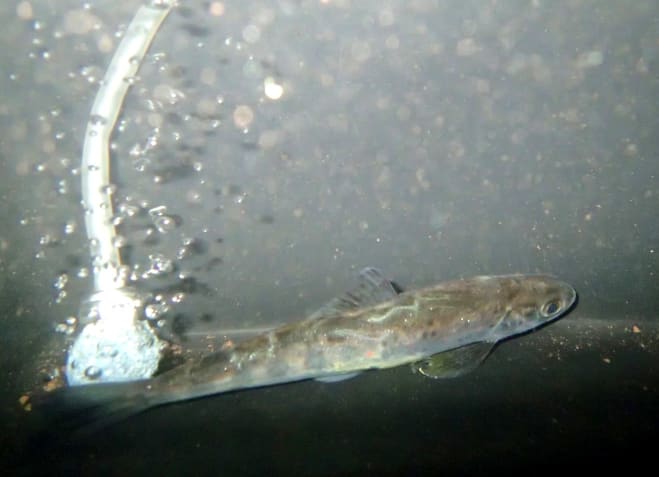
{"points": [[530, 301]]}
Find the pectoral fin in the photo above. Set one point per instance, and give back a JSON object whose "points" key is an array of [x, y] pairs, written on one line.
{"points": [[455, 362]]}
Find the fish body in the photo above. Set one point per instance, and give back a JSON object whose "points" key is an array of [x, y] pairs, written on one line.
{"points": [[443, 331], [407, 328]]}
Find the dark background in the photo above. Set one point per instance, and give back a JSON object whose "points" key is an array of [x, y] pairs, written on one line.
{"points": [[432, 139]]}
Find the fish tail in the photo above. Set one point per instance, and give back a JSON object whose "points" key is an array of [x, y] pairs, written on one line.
{"points": [[83, 410]]}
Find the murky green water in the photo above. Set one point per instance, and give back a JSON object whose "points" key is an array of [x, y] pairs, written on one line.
{"points": [[432, 139]]}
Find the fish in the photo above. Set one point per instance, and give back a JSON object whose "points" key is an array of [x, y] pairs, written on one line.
{"points": [[441, 331]]}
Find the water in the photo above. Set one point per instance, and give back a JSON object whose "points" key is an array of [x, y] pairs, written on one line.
{"points": [[304, 142]]}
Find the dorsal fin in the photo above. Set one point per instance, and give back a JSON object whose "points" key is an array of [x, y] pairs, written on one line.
{"points": [[372, 289]]}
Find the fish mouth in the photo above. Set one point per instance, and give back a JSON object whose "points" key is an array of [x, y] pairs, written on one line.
{"points": [[568, 301], [572, 301], [570, 297]]}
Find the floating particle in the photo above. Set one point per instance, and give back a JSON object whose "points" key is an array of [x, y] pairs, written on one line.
{"points": [[243, 116], [25, 403], [467, 47], [24, 11], [216, 9], [272, 89], [251, 33], [590, 59]]}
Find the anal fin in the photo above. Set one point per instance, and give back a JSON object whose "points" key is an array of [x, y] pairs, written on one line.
{"points": [[335, 378]]}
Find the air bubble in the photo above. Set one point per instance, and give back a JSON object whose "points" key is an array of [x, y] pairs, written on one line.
{"points": [[61, 296], [165, 223], [91, 314], [61, 281], [154, 311], [93, 372], [123, 273], [177, 297], [109, 189], [62, 187], [128, 210], [159, 210], [119, 241], [94, 244], [140, 165], [68, 327], [97, 120], [160, 264], [108, 351], [47, 239]]}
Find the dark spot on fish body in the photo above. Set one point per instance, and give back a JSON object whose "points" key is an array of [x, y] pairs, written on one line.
{"points": [[335, 338], [315, 358], [406, 300], [392, 340], [212, 360], [278, 369], [289, 334]]}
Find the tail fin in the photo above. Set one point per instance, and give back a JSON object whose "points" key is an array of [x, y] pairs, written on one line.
{"points": [[82, 410]]}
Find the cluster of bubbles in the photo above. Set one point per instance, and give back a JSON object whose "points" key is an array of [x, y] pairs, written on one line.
{"points": [[158, 265], [68, 327], [160, 306], [60, 287], [140, 153], [155, 104], [163, 222]]}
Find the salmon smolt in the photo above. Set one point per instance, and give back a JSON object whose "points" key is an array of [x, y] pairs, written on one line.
{"points": [[442, 331]]}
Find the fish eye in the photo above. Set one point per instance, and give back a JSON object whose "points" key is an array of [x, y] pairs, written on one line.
{"points": [[550, 308]]}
